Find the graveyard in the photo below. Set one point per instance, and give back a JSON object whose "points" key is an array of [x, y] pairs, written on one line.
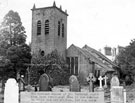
{"points": [[72, 93], [46, 71]]}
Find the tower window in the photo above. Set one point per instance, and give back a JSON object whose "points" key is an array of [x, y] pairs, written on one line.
{"points": [[39, 27], [58, 28], [62, 30], [46, 27]]}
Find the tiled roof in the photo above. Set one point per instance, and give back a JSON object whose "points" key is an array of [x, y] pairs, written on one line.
{"points": [[93, 58], [99, 54]]}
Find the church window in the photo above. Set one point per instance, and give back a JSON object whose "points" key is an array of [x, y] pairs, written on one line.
{"points": [[72, 65], [39, 27], [68, 62], [58, 28], [76, 65], [46, 27], [62, 30]]}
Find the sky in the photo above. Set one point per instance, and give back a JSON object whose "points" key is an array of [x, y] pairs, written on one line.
{"points": [[97, 23]]}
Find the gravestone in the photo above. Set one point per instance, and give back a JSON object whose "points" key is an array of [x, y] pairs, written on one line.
{"points": [[105, 81], [91, 79], [43, 82], [21, 84], [11, 93], [100, 82], [115, 81], [118, 94], [74, 84], [62, 97]]}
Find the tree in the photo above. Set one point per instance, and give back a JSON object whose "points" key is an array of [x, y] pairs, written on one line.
{"points": [[126, 60], [12, 31], [12, 43], [53, 64]]}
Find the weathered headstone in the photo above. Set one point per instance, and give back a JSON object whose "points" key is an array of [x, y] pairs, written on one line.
{"points": [[43, 82], [21, 84], [100, 82], [11, 93], [105, 81], [115, 81], [91, 79], [62, 97], [118, 94], [74, 84]]}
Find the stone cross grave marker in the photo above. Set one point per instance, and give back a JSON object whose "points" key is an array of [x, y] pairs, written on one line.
{"points": [[43, 82], [91, 79], [105, 80], [11, 93], [100, 82], [115, 81], [74, 84]]}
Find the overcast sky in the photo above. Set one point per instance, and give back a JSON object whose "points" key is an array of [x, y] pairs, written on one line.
{"points": [[97, 23]]}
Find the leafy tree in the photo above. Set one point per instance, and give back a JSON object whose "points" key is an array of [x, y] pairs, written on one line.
{"points": [[53, 64], [12, 43], [11, 30], [126, 60]]}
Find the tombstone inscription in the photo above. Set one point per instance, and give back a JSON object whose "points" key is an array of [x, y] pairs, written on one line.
{"points": [[62, 97]]}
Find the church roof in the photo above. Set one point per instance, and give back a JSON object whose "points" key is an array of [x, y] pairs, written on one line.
{"points": [[99, 55], [93, 58]]}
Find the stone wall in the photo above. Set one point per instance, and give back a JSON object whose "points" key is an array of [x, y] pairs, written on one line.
{"points": [[84, 67], [51, 41]]}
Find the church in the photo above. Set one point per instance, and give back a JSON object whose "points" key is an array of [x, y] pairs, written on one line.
{"points": [[49, 33]]}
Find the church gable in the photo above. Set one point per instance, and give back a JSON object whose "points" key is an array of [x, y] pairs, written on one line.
{"points": [[82, 67]]}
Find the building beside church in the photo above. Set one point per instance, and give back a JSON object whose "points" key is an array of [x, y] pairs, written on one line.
{"points": [[110, 52], [49, 33]]}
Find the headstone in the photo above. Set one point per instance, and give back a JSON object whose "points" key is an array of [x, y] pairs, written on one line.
{"points": [[11, 93], [62, 97], [100, 82], [91, 79], [21, 84], [115, 81], [118, 94], [74, 84], [43, 82], [105, 81]]}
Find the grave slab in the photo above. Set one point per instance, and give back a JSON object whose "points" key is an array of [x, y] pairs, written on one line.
{"points": [[62, 97]]}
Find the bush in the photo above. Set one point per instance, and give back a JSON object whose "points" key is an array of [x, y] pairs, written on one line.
{"points": [[52, 64]]}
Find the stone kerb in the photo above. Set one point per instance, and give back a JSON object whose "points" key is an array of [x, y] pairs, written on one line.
{"points": [[62, 97]]}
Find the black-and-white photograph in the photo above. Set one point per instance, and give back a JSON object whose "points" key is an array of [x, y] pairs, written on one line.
{"points": [[67, 51]]}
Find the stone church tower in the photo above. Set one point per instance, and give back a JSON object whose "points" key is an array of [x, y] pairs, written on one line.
{"points": [[49, 30]]}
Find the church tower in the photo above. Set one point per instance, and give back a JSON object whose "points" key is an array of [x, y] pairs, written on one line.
{"points": [[49, 30]]}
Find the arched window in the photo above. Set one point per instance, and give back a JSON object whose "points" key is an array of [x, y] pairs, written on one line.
{"points": [[58, 28], [62, 30], [46, 27], [39, 27]]}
